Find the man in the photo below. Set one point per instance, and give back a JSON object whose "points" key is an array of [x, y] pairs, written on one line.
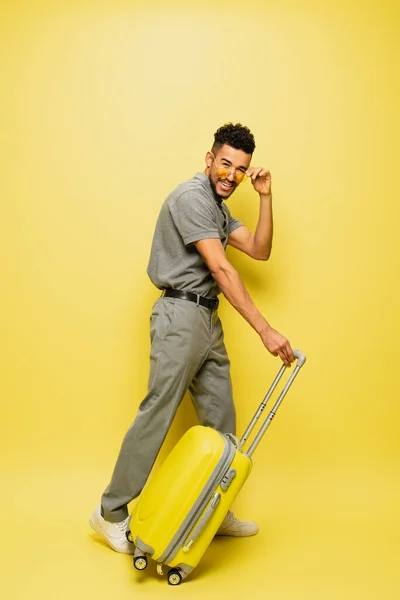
{"points": [[188, 262]]}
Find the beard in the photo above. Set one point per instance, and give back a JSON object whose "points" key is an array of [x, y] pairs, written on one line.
{"points": [[218, 196], [214, 189]]}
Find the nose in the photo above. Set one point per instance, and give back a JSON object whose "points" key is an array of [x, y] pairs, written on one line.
{"points": [[231, 175]]}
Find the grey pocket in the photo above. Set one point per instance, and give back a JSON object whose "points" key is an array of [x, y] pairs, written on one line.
{"points": [[161, 318]]}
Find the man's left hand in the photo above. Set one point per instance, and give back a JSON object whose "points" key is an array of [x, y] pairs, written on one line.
{"points": [[261, 180]]}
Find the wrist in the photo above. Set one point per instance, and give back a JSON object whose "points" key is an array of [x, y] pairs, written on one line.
{"points": [[264, 329], [267, 197]]}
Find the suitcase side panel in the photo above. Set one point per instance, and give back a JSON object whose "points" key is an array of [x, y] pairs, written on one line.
{"points": [[242, 464], [168, 498]]}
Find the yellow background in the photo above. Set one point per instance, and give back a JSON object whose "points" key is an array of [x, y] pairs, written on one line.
{"points": [[105, 107]]}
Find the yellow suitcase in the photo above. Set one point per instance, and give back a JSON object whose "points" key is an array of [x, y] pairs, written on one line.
{"points": [[182, 507]]}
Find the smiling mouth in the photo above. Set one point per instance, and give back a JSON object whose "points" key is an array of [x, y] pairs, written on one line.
{"points": [[226, 184]]}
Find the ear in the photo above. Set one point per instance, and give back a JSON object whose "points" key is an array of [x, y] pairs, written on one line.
{"points": [[209, 159]]}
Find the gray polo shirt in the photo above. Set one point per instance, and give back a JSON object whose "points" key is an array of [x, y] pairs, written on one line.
{"points": [[192, 212]]}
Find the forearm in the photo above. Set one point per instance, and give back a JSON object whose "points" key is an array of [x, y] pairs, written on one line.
{"points": [[233, 289], [262, 241]]}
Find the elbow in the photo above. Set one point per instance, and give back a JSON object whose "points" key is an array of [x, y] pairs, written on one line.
{"points": [[222, 272], [262, 256], [218, 273], [261, 253]]}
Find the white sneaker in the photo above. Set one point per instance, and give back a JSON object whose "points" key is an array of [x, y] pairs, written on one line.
{"points": [[116, 534], [234, 527]]}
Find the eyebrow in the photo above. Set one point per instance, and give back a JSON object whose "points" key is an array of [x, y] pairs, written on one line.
{"points": [[228, 161]]}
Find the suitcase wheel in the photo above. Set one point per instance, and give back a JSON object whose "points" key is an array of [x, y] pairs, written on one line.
{"points": [[128, 535], [174, 577], [140, 562]]}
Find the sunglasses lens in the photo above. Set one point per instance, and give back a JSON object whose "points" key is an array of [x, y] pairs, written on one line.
{"points": [[223, 173], [240, 176]]}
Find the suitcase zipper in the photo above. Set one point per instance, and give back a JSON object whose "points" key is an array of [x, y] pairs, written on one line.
{"points": [[200, 503]]}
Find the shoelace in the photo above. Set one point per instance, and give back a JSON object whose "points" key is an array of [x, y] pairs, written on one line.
{"points": [[232, 517], [123, 525]]}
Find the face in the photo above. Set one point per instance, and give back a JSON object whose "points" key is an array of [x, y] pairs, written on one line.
{"points": [[233, 159]]}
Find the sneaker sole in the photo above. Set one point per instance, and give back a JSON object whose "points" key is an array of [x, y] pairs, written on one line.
{"points": [[244, 534], [97, 529]]}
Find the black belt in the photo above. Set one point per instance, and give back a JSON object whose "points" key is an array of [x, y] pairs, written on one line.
{"points": [[211, 303]]}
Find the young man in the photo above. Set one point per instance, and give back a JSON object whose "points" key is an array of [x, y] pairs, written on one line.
{"points": [[188, 262]]}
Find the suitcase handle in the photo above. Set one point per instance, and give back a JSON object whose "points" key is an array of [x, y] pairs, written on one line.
{"points": [[202, 523], [301, 359]]}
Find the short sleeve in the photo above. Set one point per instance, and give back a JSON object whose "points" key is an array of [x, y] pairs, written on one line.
{"points": [[193, 218], [233, 224]]}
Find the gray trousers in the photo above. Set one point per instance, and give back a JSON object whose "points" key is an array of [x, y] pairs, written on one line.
{"points": [[187, 352]]}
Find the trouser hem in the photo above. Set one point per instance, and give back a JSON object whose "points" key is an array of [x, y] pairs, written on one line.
{"points": [[116, 516]]}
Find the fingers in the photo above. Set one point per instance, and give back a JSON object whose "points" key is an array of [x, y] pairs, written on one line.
{"points": [[278, 345], [255, 172], [286, 354], [284, 358]]}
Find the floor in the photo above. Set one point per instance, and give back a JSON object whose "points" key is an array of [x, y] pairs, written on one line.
{"points": [[322, 536]]}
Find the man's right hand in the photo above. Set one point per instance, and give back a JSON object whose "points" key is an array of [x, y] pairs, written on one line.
{"points": [[277, 345]]}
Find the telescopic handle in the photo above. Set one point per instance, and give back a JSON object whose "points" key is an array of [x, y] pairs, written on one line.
{"points": [[301, 359]]}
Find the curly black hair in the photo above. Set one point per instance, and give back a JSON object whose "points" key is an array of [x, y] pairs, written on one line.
{"points": [[238, 136]]}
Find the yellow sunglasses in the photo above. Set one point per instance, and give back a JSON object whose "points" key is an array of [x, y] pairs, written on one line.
{"points": [[224, 172]]}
